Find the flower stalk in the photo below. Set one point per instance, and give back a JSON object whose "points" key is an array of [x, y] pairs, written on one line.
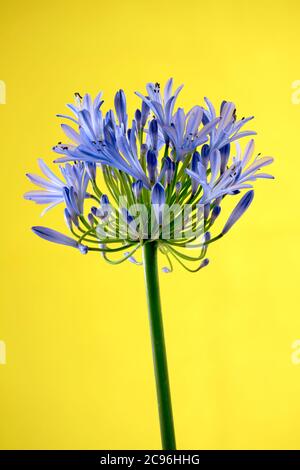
{"points": [[158, 346]]}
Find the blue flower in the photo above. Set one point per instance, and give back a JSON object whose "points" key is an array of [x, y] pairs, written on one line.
{"points": [[55, 190], [228, 129], [238, 211], [120, 105], [162, 107], [100, 140], [163, 161], [239, 175], [196, 159], [88, 118], [184, 133], [152, 165], [104, 211], [168, 170], [158, 199], [153, 133], [57, 237], [137, 187]]}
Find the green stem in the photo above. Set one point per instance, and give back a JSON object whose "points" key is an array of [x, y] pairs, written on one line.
{"points": [[158, 347]]}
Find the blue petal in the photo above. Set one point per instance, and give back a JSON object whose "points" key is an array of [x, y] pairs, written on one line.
{"points": [[57, 237], [158, 198], [120, 105], [238, 211], [151, 165]]}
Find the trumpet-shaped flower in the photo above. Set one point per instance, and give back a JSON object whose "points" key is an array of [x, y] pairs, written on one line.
{"points": [[71, 190], [239, 175], [57, 237], [162, 107], [238, 211]]}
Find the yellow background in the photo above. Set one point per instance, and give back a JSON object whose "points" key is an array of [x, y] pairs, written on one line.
{"points": [[79, 367]]}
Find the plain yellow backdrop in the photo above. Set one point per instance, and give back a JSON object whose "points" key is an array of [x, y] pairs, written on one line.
{"points": [[79, 367]]}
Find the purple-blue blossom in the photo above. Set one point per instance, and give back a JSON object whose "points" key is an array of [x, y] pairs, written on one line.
{"points": [[114, 169]]}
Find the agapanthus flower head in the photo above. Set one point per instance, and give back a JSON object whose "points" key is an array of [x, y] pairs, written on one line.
{"points": [[164, 175]]}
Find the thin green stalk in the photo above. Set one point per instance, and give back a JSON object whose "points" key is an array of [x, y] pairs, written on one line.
{"points": [[158, 346]]}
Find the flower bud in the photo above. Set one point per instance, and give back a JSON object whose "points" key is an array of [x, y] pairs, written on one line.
{"points": [[138, 117], [158, 198], [194, 167], [151, 165], [225, 152], [178, 187], [83, 249], [68, 218], [145, 114], [137, 187], [153, 133], [205, 154], [91, 170], [91, 219], [238, 211], [144, 149], [104, 199], [169, 169], [120, 105], [215, 213], [204, 263]]}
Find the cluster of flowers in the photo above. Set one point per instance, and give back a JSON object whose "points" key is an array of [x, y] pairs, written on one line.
{"points": [[164, 158]]}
